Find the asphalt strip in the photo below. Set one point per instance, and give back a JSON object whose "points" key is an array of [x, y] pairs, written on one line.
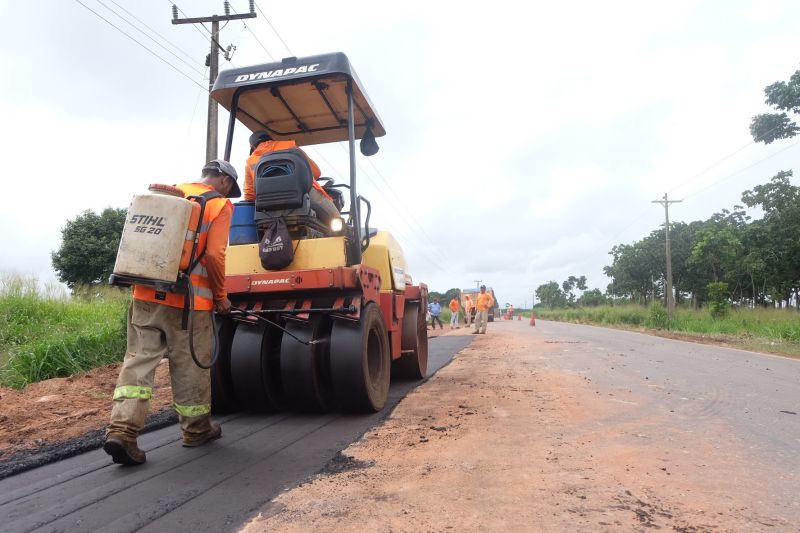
{"points": [[45, 454]]}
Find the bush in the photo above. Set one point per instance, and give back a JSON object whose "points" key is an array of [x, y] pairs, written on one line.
{"points": [[718, 303], [658, 318]]}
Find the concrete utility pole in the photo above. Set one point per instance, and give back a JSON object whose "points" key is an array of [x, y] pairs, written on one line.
{"points": [[477, 283], [670, 295], [213, 63]]}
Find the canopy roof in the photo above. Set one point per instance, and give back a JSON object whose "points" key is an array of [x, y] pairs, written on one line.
{"points": [[304, 99]]}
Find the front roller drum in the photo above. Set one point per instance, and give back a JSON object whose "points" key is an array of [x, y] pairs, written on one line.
{"points": [[305, 368], [413, 364], [361, 362]]}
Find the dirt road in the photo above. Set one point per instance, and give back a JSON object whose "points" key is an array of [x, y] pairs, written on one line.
{"points": [[546, 429]]}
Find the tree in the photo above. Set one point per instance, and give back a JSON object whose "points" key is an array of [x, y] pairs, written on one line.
{"points": [[89, 246], [550, 295], [784, 97]]}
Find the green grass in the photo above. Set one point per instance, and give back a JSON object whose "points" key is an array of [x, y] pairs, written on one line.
{"points": [[46, 333], [771, 330]]}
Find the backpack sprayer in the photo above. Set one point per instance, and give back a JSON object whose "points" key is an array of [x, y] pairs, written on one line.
{"points": [[158, 248]]}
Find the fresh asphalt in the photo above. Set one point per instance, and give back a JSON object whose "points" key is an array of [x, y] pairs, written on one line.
{"points": [[217, 487]]}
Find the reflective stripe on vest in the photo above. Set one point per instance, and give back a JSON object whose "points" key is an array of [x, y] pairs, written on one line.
{"points": [[203, 295], [192, 410], [132, 392]]}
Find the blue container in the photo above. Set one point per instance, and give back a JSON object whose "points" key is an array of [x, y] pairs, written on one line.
{"points": [[243, 224]]}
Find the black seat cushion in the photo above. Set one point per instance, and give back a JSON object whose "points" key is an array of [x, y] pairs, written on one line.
{"points": [[282, 179]]}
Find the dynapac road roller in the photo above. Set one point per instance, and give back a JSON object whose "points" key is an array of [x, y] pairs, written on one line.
{"points": [[332, 328]]}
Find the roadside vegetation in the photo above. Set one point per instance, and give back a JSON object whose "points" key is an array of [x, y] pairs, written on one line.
{"points": [[47, 333], [768, 330]]}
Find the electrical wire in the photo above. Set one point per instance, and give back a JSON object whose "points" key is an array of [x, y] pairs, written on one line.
{"points": [[692, 178], [748, 167], [176, 69], [255, 36], [273, 28], [149, 37], [137, 19], [182, 12]]}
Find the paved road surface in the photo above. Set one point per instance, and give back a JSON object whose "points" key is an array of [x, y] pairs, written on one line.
{"points": [[257, 458], [754, 398]]}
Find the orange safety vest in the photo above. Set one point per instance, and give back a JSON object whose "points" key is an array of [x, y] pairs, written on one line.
{"points": [[268, 147], [203, 295]]}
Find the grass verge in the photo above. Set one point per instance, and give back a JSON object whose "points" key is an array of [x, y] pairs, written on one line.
{"points": [[45, 333], [764, 330]]}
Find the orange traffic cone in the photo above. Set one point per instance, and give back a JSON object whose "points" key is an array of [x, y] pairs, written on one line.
{"points": [[533, 320]]}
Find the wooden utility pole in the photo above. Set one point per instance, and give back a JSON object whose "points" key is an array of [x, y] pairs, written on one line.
{"points": [[213, 64], [670, 295]]}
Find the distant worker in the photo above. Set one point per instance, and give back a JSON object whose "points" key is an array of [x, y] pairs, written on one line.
{"points": [[510, 312], [469, 309], [155, 331], [454, 307], [435, 310], [260, 144], [483, 303]]}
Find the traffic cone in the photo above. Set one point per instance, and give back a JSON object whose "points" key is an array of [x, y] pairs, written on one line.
{"points": [[533, 320]]}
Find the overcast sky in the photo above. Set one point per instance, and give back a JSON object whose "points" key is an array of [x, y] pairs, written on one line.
{"points": [[522, 142]]}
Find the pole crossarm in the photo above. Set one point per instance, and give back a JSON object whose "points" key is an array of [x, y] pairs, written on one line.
{"points": [[214, 18]]}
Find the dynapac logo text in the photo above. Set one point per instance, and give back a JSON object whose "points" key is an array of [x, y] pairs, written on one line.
{"points": [[270, 281], [254, 76]]}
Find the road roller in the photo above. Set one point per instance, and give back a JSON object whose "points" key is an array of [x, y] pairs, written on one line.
{"points": [[329, 330]]}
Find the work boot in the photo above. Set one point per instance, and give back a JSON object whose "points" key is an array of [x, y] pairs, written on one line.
{"points": [[192, 441], [475, 332], [123, 451]]}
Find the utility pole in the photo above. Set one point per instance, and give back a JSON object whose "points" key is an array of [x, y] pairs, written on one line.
{"points": [[670, 295], [212, 61], [477, 283]]}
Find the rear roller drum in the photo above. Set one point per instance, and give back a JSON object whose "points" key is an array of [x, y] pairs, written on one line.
{"points": [[413, 364], [255, 367], [305, 369], [360, 362], [223, 398]]}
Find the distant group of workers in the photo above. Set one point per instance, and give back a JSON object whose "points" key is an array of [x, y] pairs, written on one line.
{"points": [[156, 319], [477, 311]]}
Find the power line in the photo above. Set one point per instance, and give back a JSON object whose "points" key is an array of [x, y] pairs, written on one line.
{"points": [[176, 69], [273, 29], [255, 36], [720, 161], [205, 37], [154, 31], [149, 37], [748, 167]]}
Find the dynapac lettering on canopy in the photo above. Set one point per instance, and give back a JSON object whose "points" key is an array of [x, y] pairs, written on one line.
{"points": [[254, 76]]}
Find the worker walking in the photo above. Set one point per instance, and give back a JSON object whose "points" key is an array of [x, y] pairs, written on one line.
{"points": [[435, 310], [156, 330], [469, 309], [483, 303], [454, 307]]}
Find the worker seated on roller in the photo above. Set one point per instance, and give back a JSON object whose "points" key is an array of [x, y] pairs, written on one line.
{"points": [[260, 144]]}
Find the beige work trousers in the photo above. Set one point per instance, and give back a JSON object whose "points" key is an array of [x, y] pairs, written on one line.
{"points": [[481, 318], [154, 332]]}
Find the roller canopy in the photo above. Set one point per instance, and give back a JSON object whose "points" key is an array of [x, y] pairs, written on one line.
{"points": [[304, 99]]}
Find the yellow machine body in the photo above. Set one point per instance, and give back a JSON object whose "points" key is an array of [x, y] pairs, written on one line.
{"points": [[383, 254]]}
